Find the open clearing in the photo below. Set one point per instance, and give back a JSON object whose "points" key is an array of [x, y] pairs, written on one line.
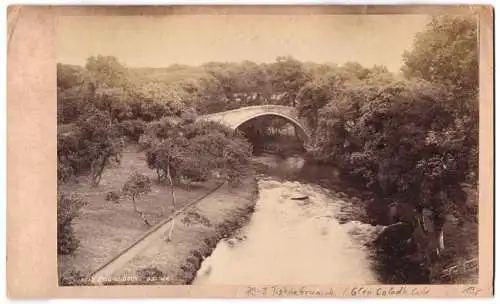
{"points": [[105, 228]]}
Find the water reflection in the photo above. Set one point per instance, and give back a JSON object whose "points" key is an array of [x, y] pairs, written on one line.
{"points": [[296, 168]]}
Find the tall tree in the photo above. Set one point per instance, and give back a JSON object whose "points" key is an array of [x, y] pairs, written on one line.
{"points": [[287, 76], [68, 76], [106, 71], [316, 94], [446, 52], [100, 142]]}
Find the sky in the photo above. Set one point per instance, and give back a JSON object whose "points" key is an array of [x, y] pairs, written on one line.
{"points": [[159, 41]]}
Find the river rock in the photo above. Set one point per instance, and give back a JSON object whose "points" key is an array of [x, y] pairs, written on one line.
{"points": [[342, 219], [341, 195], [356, 200], [394, 239]]}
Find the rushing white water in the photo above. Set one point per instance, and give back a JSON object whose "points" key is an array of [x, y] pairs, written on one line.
{"points": [[293, 242]]}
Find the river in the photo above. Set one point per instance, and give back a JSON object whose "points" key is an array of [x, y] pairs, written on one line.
{"points": [[294, 241]]}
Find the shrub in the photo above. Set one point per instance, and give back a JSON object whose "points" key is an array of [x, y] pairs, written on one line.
{"points": [[64, 170], [68, 208], [112, 196], [136, 185]]}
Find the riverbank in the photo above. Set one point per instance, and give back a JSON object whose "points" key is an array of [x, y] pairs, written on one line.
{"points": [[196, 233], [459, 260]]}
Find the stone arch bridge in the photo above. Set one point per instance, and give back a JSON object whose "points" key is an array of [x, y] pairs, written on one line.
{"points": [[235, 118]]}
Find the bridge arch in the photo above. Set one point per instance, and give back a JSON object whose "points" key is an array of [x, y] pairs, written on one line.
{"points": [[298, 126], [237, 117]]}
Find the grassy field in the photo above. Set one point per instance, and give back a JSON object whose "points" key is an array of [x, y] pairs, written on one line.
{"points": [[104, 228]]}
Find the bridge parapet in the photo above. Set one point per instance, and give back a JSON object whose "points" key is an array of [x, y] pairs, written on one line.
{"points": [[257, 109], [235, 118]]}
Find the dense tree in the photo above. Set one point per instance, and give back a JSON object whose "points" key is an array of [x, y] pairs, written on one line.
{"points": [[317, 93], [101, 142], [114, 102], [353, 71], [404, 142], [91, 144], [446, 52], [287, 76], [68, 76], [195, 151], [379, 75], [106, 72]]}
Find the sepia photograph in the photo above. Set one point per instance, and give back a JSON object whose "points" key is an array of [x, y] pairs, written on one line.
{"points": [[265, 148]]}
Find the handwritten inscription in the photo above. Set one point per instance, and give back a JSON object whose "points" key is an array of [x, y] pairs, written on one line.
{"points": [[278, 291], [386, 291], [471, 291]]}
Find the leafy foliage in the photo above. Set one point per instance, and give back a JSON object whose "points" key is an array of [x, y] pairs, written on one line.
{"points": [[68, 76], [401, 138], [446, 52], [136, 185], [88, 147], [195, 150], [317, 93], [287, 78]]}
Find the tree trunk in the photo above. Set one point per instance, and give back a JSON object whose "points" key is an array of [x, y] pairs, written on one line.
{"points": [[169, 176], [96, 170], [141, 214], [441, 240], [133, 203], [169, 237], [158, 174]]}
